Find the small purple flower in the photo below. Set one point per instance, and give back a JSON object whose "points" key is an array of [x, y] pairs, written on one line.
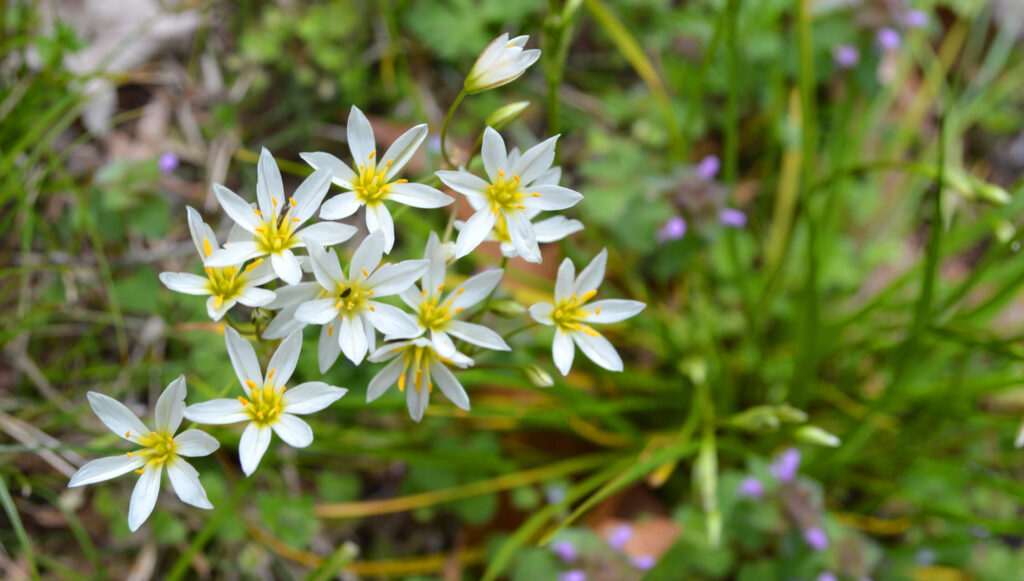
{"points": [[555, 493], [168, 162], [644, 562], [915, 19], [573, 575], [888, 39], [751, 487], [732, 217], [619, 536], [565, 551], [785, 465], [846, 56], [827, 576], [816, 538], [708, 168], [673, 229]]}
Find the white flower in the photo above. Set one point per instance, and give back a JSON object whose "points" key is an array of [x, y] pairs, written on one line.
{"points": [[374, 183], [549, 230], [226, 285], [276, 226], [435, 312], [571, 314], [267, 405], [160, 449], [502, 62], [415, 367], [520, 187], [344, 306]]}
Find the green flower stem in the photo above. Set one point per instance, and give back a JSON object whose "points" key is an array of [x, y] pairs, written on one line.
{"points": [[444, 128]]}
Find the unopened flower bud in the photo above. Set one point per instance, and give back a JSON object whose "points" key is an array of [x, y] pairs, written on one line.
{"points": [[537, 376], [507, 308], [502, 62], [756, 419], [790, 414], [1019, 442], [502, 116], [816, 435], [991, 192]]}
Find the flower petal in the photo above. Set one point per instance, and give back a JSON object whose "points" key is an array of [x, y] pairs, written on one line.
{"points": [[556, 228], [201, 232], [520, 231], [536, 160], [327, 347], [341, 173], [310, 397], [326, 268], [613, 310], [216, 307], [385, 378], [378, 219], [552, 198], [317, 312], [170, 406], [284, 322], [477, 335], [493, 153], [116, 416], [464, 183], [195, 442], [340, 206], [473, 233], [592, 275], [352, 338], [401, 151], [252, 296], [239, 210], [310, 194], [234, 254], [562, 351], [185, 481], [183, 282], [435, 273], [105, 469], [243, 359], [326, 233], [599, 350], [392, 321], [269, 187], [144, 497], [564, 280], [388, 351], [287, 266], [392, 279], [253, 444], [217, 412], [450, 387], [294, 431], [368, 255], [541, 312], [418, 195], [476, 288], [283, 361], [360, 138], [416, 400], [443, 344]]}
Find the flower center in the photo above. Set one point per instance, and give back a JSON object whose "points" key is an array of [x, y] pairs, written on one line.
{"points": [[569, 314], [226, 283], [434, 314], [158, 448], [416, 358], [501, 230], [371, 186], [264, 404], [505, 194], [352, 298], [276, 234]]}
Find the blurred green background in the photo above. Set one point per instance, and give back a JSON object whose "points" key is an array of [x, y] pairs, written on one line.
{"points": [[874, 147]]}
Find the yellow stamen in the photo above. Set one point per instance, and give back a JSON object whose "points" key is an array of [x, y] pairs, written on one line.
{"points": [[460, 291], [365, 273], [535, 194], [598, 311], [440, 288], [372, 154], [291, 201], [270, 374], [206, 246], [273, 201], [372, 309], [501, 174], [128, 434], [257, 212], [140, 471], [423, 292], [253, 264], [401, 382], [590, 331], [218, 301], [129, 454], [242, 400], [330, 330], [588, 295]]}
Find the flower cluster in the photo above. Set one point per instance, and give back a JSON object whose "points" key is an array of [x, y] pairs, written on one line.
{"points": [[283, 257]]}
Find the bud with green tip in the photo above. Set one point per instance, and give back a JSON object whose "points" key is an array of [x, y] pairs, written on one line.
{"points": [[502, 116], [538, 377], [762, 418], [816, 435], [502, 62], [790, 414], [507, 308]]}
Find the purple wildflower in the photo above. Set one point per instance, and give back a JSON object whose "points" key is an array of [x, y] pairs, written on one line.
{"points": [[673, 229], [168, 162], [827, 576], [785, 465], [732, 217], [846, 56], [644, 562], [751, 487], [816, 538], [619, 536], [708, 168], [915, 19], [573, 575], [565, 551], [888, 39]]}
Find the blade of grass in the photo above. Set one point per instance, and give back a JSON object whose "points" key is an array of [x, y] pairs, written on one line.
{"points": [[19, 528]]}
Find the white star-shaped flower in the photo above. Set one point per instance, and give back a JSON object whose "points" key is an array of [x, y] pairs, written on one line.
{"points": [[502, 62], [276, 225], [160, 449], [415, 368], [267, 405], [374, 181], [226, 285], [572, 316], [435, 311], [347, 308], [520, 187]]}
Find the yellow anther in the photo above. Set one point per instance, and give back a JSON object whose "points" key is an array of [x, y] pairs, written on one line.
{"points": [[430, 386], [261, 229], [364, 272], [250, 383], [575, 298], [330, 331], [520, 206], [402, 181], [129, 454], [372, 309], [260, 414], [535, 194], [460, 291], [559, 313], [370, 294], [206, 246], [257, 212], [270, 374], [401, 382], [296, 220], [291, 201], [337, 306], [495, 211], [243, 401], [590, 331], [282, 389], [128, 434], [350, 304], [253, 264], [152, 433], [388, 164], [218, 301], [209, 271], [273, 201], [598, 311], [372, 154], [140, 471], [459, 310], [588, 295], [440, 287], [423, 292], [501, 174]]}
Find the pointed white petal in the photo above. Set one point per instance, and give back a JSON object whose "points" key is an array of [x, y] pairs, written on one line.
{"points": [[599, 350], [200, 231], [105, 469], [183, 282], [170, 406], [562, 351], [311, 396], [613, 310], [326, 233], [477, 335], [256, 297], [551, 177], [340, 206], [217, 311], [309, 195], [493, 153], [378, 219], [243, 358], [368, 255], [341, 173], [388, 351], [327, 346], [473, 233], [416, 400], [592, 275], [450, 387], [195, 443], [464, 183], [116, 416], [443, 344], [418, 195], [392, 321], [317, 312], [552, 198], [254, 443], [564, 280], [352, 338], [185, 481], [284, 323], [294, 431], [234, 254], [476, 288], [360, 138], [392, 279], [520, 231], [287, 266], [402, 150], [435, 273], [294, 295], [541, 312], [384, 379], [283, 361], [535, 161], [268, 183], [217, 412], [144, 497], [556, 228], [234, 206], [326, 268]]}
